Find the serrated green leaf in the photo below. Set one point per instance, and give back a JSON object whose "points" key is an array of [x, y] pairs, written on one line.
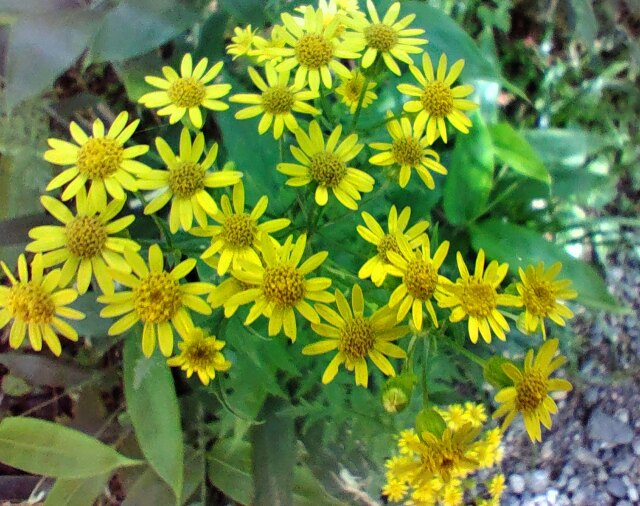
{"points": [[514, 150], [77, 492]]}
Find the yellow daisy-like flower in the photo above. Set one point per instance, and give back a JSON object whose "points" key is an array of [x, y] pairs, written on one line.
{"points": [[409, 150], [496, 487], [356, 337], [279, 286], [475, 414], [241, 42], [389, 37], [315, 49], [277, 101], [100, 159], [541, 295], [475, 297], [350, 90], [187, 92], [200, 353], [348, 10], [36, 308], [531, 386], [395, 490], [84, 243], [437, 100], [156, 298], [327, 166], [262, 46], [220, 295], [377, 267], [238, 234], [420, 279], [185, 182]]}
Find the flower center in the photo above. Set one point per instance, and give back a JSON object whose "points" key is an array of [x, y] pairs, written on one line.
{"points": [[200, 354], [277, 100], [186, 179], [187, 92], [478, 298], [539, 298], [239, 230], [407, 151], [444, 457], [388, 243], [157, 298], [437, 99], [421, 279], [530, 391], [86, 236], [381, 37], [99, 157], [327, 169], [353, 88], [29, 303], [356, 338], [283, 285], [314, 51]]}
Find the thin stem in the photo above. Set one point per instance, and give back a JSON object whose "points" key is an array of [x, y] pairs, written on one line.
{"points": [[467, 353], [202, 444], [425, 390], [162, 227], [356, 115], [325, 104]]}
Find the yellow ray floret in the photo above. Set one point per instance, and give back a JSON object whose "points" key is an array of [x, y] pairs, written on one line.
{"points": [[185, 181], [200, 353], [327, 165], [437, 100], [279, 285], [85, 243], [100, 159], [242, 41], [156, 298], [187, 92], [531, 386], [34, 306], [351, 88], [356, 337]]}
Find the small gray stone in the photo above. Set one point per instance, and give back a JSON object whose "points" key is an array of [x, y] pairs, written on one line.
{"points": [[584, 456], [636, 446], [538, 481], [623, 465], [608, 429], [516, 483], [602, 475], [632, 493], [624, 503], [573, 484], [591, 396], [552, 496], [616, 488]]}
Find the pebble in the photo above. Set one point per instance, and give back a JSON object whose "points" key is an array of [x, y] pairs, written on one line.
{"points": [[538, 481], [516, 483], [624, 465], [608, 429], [573, 484], [617, 488], [584, 456], [636, 446]]}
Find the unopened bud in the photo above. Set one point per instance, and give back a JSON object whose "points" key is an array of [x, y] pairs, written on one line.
{"points": [[397, 391], [429, 420]]}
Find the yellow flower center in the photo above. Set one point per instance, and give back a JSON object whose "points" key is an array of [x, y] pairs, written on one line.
{"points": [[187, 92], [100, 157], [381, 37], [199, 354], [353, 88], [157, 298], [407, 151], [283, 285], [421, 279], [29, 303], [539, 298], [530, 391], [314, 51], [186, 179], [388, 243], [239, 230], [356, 338], [444, 457], [437, 99], [86, 236], [327, 169], [478, 298], [277, 100]]}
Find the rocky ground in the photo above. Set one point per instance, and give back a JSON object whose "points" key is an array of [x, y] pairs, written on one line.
{"points": [[592, 455]]}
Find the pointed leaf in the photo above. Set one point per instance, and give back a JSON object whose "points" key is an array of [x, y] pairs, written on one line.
{"points": [[77, 492], [514, 150]]}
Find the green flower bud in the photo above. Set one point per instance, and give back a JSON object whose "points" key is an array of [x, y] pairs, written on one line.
{"points": [[429, 420], [397, 391]]}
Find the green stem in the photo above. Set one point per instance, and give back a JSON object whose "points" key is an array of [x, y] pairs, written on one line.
{"points": [[325, 105], [162, 227], [425, 390], [467, 353], [202, 445], [356, 115]]}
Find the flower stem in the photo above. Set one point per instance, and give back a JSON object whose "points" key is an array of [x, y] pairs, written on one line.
{"points": [[425, 391], [162, 227], [467, 353], [356, 114]]}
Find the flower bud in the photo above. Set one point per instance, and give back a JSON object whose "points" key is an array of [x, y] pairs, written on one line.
{"points": [[397, 391], [429, 420]]}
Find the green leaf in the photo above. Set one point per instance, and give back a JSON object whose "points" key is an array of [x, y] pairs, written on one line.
{"points": [[153, 406], [470, 178], [77, 492], [563, 148], [15, 386], [584, 23], [514, 150], [211, 40], [245, 11], [40, 370], [50, 449], [520, 246]]}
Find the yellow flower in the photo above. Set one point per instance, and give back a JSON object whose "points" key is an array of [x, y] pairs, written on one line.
{"points": [[279, 286], [377, 267], [356, 337], [389, 38], [350, 89], [101, 159], [395, 490], [185, 182], [187, 92], [347, 10], [327, 166], [475, 414], [409, 150], [454, 416], [475, 297], [201, 354], [238, 235], [263, 46], [496, 487], [157, 299], [529, 393], [241, 42], [36, 307], [420, 279], [315, 49], [276, 101], [84, 243], [221, 293], [540, 296], [452, 493], [437, 99]]}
